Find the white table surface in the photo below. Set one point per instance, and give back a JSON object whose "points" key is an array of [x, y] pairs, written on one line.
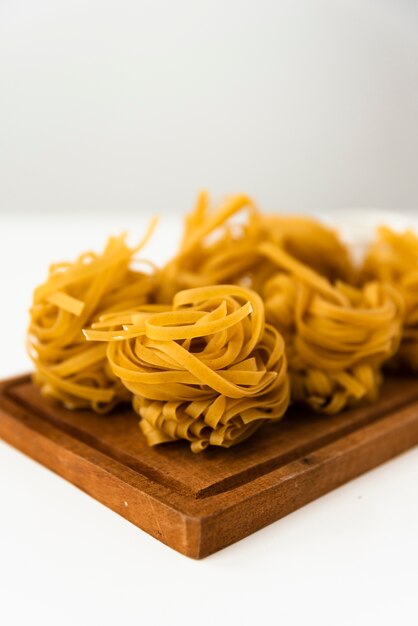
{"points": [[349, 558]]}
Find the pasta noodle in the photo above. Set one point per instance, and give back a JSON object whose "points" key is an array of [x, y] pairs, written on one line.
{"points": [[337, 336], [206, 368], [67, 368], [393, 258]]}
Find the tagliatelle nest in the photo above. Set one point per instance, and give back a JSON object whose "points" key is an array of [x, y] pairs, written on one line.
{"points": [[393, 258], [207, 369], [67, 368], [337, 336]]}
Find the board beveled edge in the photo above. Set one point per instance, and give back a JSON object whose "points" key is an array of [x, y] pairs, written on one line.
{"points": [[195, 528]]}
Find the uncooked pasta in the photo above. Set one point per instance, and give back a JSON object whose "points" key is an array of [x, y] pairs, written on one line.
{"points": [[214, 248], [67, 368], [206, 369], [393, 258], [337, 336], [223, 246], [254, 312]]}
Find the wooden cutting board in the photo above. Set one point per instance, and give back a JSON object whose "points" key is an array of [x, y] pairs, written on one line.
{"points": [[198, 504]]}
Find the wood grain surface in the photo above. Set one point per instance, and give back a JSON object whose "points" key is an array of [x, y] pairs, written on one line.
{"points": [[198, 504]]}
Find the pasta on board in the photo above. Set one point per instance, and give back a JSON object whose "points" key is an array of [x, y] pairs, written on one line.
{"points": [[67, 368], [337, 336], [253, 312], [206, 368]]}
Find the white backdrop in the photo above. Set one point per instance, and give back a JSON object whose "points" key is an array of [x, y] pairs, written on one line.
{"points": [[114, 106], [136, 104]]}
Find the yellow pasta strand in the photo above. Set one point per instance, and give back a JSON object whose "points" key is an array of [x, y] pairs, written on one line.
{"points": [[67, 368], [206, 369]]}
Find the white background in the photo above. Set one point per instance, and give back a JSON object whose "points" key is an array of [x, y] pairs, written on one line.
{"points": [[113, 110], [136, 104]]}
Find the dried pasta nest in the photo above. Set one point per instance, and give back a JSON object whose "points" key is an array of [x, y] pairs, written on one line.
{"points": [[206, 368], [337, 336], [393, 258], [222, 246], [67, 368]]}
